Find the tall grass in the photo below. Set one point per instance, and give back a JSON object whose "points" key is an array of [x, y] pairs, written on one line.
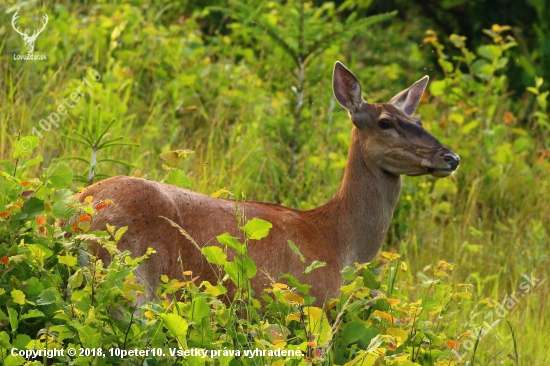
{"points": [[170, 86]]}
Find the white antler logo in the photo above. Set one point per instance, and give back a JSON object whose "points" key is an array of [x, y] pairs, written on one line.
{"points": [[29, 40]]}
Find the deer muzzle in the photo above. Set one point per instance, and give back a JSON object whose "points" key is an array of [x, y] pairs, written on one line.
{"points": [[444, 163]]}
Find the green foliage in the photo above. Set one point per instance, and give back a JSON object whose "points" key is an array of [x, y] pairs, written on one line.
{"points": [[177, 77], [303, 32], [95, 139]]}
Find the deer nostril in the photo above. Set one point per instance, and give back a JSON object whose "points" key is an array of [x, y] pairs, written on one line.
{"points": [[452, 159]]}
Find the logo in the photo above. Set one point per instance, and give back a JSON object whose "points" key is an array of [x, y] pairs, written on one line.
{"points": [[29, 40]]}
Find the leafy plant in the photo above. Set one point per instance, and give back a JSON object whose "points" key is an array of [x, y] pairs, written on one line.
{"points": [[96, 139], [304, 33]]}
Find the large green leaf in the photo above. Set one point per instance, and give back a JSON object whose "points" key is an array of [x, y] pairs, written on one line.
{"points": [[57, 176], [25, 146], [355, 331], [231, 242], [178, 178], [214, 255], [199, 309], [177, 327], [257, 228], [31, 208]]}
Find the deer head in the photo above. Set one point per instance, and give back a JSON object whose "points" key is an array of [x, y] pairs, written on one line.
{"points": [[391, 138], [29, 40]]}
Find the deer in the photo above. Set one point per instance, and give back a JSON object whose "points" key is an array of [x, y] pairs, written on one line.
{"points": [[29, 40], [387, 141]]}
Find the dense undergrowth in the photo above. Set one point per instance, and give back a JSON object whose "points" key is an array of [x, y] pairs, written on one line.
{"points": [[461, 279]]}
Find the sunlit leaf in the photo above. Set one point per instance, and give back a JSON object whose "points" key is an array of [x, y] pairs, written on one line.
{"points": [[257, 228]]}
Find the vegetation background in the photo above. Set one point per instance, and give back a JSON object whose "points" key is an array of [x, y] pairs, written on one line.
{"points": [[247, 87]]}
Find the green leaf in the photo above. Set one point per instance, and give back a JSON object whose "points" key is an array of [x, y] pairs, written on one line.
{"points": [[231, 242], [4, 339], [296, 250], [21, 340], [355, 331], [523, 144], [438, 87], [89, 336], [120, 232], [429, 303], [38, 253], [33, 313], [47, 297], [33, 287], [75, 281], [532, 90], [214, 255], [469, 127], [369, 279], [57, 176], [174, 157], [62, 210], [482, 68], [177, 327], [501, 63], [32, 207], [257, 228], [314, 265], [14, 360], [490, 52], [34, 161], [68, 260], [14, 321], [199, 309], [293, 282], [445, 65], [25, 146], [248, 266], [18, 297], [235, 272], [8, 166], [178, 178]]}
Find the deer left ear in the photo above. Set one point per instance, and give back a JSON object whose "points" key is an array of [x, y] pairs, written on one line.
{"points": [[347, 88], [409, 99]]}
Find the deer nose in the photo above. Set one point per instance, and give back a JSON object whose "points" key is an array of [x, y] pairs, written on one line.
{"points": [[452, 159]]}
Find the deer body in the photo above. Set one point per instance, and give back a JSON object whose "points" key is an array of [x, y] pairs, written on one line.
{"points": [[385, 143]]}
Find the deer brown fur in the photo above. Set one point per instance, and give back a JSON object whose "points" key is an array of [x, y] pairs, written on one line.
{"points": [[386, 142]]}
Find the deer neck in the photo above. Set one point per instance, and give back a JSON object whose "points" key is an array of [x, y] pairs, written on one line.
{"points": [[361, 210]]}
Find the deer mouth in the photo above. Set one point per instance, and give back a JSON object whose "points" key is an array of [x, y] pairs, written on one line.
{"points": [[441, 173], [450, 165]]}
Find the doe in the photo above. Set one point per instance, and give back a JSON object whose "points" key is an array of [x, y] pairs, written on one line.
{"points": [[386, 142]]}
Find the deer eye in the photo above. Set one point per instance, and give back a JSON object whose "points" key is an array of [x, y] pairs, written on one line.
{"points": [[385, 123]]}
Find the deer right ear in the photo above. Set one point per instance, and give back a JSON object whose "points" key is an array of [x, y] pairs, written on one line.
{"points": [[409, 98], [347, 89]]}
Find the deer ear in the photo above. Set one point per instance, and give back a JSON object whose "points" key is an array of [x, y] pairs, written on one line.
{"points": [[409, 99], [347, 89]]}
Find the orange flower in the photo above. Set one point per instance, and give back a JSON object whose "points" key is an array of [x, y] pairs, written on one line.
{"points": [[84, 217], [424, 97], [5, 260], [40, 220], [24, 184], [508, 117], [453, 344], [429, 39], [5, 214], [101, 206]]}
